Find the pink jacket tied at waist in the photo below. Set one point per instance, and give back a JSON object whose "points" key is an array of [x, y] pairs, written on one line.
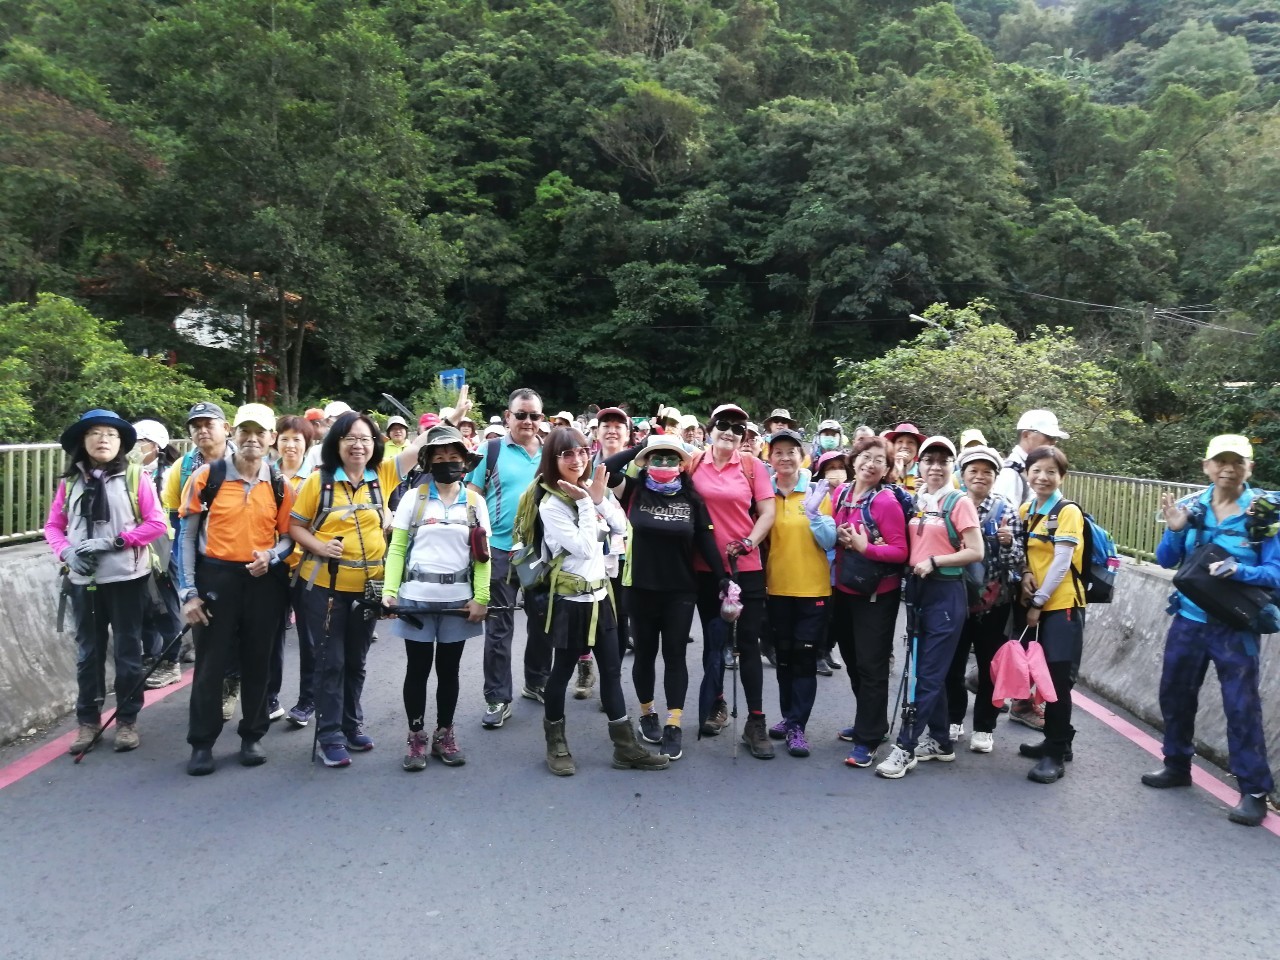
{"points": [[1014, 671]]}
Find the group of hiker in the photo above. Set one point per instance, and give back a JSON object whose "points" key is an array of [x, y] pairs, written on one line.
{"points": [[795, 551]]}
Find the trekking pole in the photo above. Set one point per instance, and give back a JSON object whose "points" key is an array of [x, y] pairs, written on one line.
{"points": [[733, 645], [334, 564], [164, 655]]}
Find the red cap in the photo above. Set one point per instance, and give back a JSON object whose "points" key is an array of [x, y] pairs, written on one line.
{"points": [[428, 420], [313, 414]]}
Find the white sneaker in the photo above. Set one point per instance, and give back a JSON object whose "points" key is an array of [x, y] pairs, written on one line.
{"points": [[929, 749], [957, 731], [982, 742], [897, 764]]}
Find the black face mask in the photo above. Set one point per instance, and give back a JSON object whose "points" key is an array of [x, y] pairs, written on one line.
{"points": [[448, 472]]}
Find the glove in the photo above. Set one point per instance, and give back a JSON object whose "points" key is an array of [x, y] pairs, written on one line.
{"points": [[94, 546], [82, 563], [814, 497]]}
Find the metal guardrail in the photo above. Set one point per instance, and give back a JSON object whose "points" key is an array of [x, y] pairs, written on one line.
{"points": [[29, 475], [1127, 507]]}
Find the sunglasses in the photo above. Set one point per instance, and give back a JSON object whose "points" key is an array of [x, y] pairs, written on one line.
{"points": [[526, 415], [574, 453], [738, 429], [665, 460]]}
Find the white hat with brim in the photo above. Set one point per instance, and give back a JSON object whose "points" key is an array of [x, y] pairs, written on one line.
{"points": [[662, 443], [729, 408], [980, 455], [1042, 421], [396, 422], [152, 430], [1229, 443], [335, 409], [256, 413], [564, 415], [943, 442], [494, 430], [687, 421]]}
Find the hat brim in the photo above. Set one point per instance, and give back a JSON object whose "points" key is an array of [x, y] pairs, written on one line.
{"points": [[470, 458], [72, 438], [642, 458]]}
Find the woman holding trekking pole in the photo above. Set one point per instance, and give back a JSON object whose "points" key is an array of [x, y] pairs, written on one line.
{"points": [[438, 560], [944, 537]]}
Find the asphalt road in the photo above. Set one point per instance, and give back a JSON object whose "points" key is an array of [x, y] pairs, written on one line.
{"points": [[125, 856]]}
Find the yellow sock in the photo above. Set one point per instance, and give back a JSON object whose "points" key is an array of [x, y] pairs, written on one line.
{"points": [[673, 717], [646, 709]]}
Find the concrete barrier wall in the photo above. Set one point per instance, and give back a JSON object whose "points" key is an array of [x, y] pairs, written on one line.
{"points": [[1124, 653], [37, 664]]}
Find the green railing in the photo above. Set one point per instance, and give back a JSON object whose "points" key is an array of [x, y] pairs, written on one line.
{"points": [[29, 475], [1129, 508]]}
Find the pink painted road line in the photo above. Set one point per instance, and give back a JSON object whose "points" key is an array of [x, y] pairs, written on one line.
{"points": [[1153, 746], [56, 749]]}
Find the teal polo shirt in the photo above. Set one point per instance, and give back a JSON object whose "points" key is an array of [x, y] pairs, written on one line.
{"points": [[511, 477]]}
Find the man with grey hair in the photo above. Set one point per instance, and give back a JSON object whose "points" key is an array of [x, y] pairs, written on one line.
{"points": [[506, 469]]}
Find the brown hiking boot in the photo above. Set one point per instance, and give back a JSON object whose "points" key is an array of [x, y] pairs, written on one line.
{"points": [[628, 754], [756, 736], [586, 679], [717, 721], [84, 737], [126, 737], [559, 760]]}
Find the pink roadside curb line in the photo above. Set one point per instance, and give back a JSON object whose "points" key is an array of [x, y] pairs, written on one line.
{"points": [[1199, 777], [43, 755]]}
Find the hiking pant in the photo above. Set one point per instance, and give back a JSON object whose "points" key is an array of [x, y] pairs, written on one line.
{"points": [[622, 610], [798, 626], [661, 619], [242, 628], [1188, 651], [863, 627], [983, 633], [571, 619], [499, 632], [940, 610], [448, 659], [116, 607], [750, 668], [340, 660]]}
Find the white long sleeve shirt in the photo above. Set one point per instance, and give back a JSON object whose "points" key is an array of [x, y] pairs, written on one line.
{"points": [[580, 531]]}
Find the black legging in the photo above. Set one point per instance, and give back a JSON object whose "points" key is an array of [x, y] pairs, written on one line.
{"points": [[664, 619], [750, 669], [984, 634], [572, 620], [418, 669]]}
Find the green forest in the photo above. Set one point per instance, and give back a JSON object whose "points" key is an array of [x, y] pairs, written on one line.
{"points": [[660, 200]]}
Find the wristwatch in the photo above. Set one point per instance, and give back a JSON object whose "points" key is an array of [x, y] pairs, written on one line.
{"points": [[750, 544], [934, 561], [119, 543]]}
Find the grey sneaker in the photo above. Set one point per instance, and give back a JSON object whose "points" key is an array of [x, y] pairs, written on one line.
{"points": [[530, 692], [496, 713], [445, 747], [929, 749], [896, 765], [167, 673], [126, 737]]}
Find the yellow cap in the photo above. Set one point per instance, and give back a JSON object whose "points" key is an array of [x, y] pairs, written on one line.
{"points": [[1229, 443], [258, 413]]}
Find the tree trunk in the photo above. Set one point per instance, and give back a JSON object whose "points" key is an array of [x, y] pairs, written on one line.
{"points": [[288, 386]]}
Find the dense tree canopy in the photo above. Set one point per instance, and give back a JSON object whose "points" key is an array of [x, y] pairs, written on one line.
{"points": [[652, 200]]}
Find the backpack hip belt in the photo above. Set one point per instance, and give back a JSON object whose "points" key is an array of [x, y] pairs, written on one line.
{"points": [[459, 576]]}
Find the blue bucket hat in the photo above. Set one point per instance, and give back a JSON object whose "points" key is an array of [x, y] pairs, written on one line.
{"points": [[73, 436]]}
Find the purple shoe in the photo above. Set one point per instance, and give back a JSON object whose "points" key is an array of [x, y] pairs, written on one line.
{"points": [[797, 745], [778, 731]]}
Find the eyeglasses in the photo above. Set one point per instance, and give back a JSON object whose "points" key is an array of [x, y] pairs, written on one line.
{"points": [[665, 460], [871, 462], [109, 433], [362, 441], [527, 415], [574, 453], [936, 461], [738, 429]]}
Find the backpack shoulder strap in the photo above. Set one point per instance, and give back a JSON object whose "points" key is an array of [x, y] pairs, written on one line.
{"points": [[747, 464], [133, 480], [217, 474], [277, 485], [946, 508], [326, 500], [492, 449]]}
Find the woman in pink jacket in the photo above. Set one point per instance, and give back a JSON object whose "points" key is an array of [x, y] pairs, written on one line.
{"points": [[863, 620], [102, 519]]}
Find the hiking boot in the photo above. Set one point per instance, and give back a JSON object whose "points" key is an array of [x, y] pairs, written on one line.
{"points": [[797, 745], [301, 714], [1047, 770], [559, 760], [627, 753], [671, 748], [126, 737], [756, 736], [896, 765], [1034, 751], [166, 674], [1166, 777], [779, 730], [650, 728], [416, 758], [930, 749], [251, 753], [334, 755], [201, 763], [860, 756], [445, 748], [823, 668], [717, 721], [230, 697], [982, 742], [274, 710], [359, 741], [1250, 811], [496, 713], [530, 692], [84, 737], [586, 679], [1028, 714]]}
